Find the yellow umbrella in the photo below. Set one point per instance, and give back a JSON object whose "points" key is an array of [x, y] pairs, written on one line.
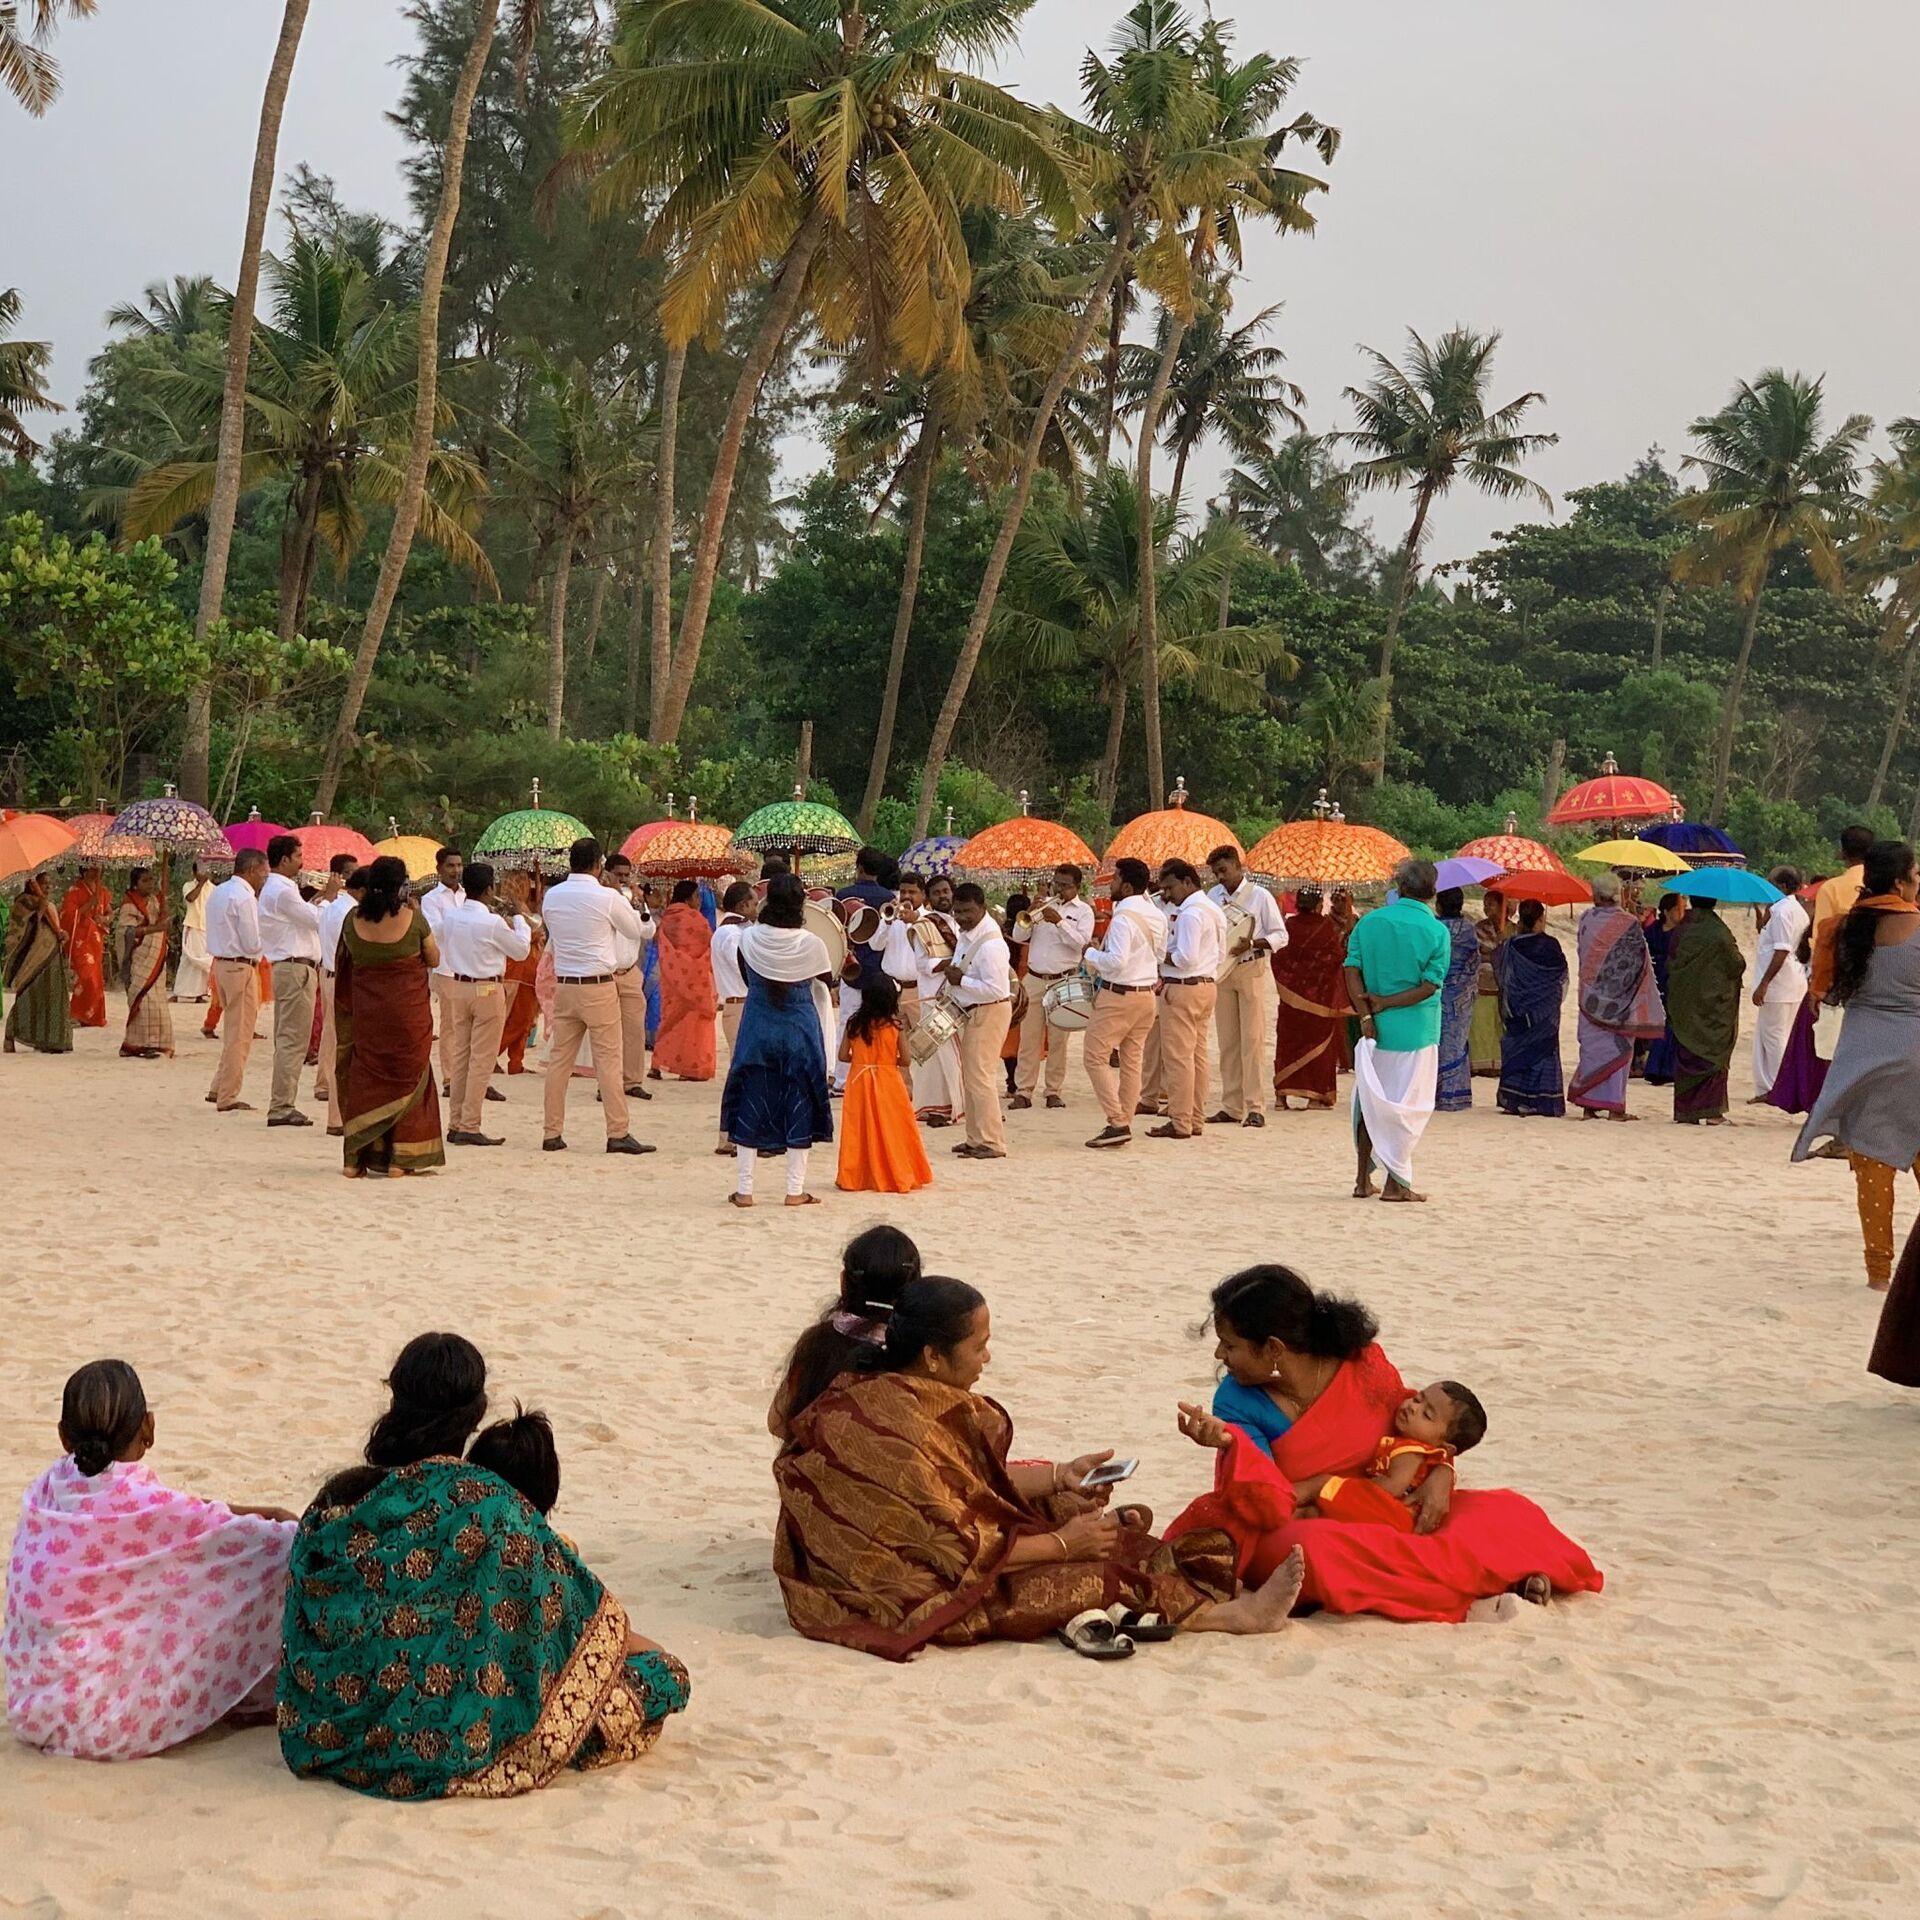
{"points": [[414, 848], [1637, 856]]}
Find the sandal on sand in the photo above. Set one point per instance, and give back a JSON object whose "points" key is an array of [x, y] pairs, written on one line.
{"points": [[1094, 1637], [1136, 1517], [1139, 1626]]}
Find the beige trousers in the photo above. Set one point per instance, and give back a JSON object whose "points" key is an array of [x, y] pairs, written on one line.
{"points": [[476, 1012], [1243, 1015], [1185, 1013], [730, 1013], [632, 1052], [440, 982], [1034, 1036], [1153, 1074], [1121, 1024], [239, 985], [584, 1012], [981, 1039], [294, 982]]}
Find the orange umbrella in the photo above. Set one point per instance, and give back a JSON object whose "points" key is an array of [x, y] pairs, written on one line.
{"points": [[1022, 852], [29, 842], [1174, 833], [1513, 851], [1325, 854], [1614, 796], [690, 850], [1551, 887]]}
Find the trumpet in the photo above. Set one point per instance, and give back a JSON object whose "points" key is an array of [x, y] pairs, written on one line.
{"points": [[1029, 919]]}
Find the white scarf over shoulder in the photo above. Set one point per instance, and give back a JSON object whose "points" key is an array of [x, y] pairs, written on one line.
{"points": [[791, 955]]}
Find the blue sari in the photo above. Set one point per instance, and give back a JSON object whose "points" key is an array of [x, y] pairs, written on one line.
{"points": [[1458, 992], [776, 1091], [1532, 971], [1658, 1068]]}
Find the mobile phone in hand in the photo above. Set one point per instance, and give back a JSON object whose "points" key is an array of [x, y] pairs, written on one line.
{"points": [[1109, 1475]]}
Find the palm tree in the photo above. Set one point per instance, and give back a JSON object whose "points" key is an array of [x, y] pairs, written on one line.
{"points": [[177, 312], [840, 147], [24, 365], [224, 502], [1074, 600], [1893, 556], [1293, 502], [427, 416], [660, 642], [27, 70], [1424, 426], [329, 395], [1771, 481]]}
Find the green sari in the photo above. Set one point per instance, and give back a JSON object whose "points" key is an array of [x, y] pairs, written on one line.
{"points": [[442, 1640]]}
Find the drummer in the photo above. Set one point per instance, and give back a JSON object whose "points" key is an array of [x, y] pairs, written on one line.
{"points": [[939, 1093], [1244, 1013], [874, 874], [1058, 931]]}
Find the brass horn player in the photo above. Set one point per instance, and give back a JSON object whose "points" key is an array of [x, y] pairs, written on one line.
{"points": [[1055, 932]]}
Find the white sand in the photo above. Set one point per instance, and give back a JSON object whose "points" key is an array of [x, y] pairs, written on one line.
{"points": [[1669, 1328]]}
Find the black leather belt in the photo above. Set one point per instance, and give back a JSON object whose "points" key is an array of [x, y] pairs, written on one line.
{"points": [[1033, 973], [1114, 986], [1187, 980], [583, 979], [477, 979], [231, 960]]}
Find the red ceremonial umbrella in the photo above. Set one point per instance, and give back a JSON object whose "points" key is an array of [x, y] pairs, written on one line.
{"points": [[95, 844], [1613, 796], [1512, 851], [1174, 833], [1551, 887], [318, 845]]}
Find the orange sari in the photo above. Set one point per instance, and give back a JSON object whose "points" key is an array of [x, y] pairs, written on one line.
{"points": [[82, 913], [685, 1046]]}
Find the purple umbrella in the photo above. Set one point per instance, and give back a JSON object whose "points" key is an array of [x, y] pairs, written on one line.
{"points": [[1463, 870]]}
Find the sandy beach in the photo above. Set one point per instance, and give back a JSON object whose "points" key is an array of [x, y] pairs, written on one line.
{"points": [[1669, 1330]]}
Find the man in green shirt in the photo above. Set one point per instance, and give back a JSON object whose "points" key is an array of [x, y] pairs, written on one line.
{"points": [[1397, 958]]}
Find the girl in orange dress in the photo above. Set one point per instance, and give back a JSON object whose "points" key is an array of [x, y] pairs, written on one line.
{"points": [[880, 1150]]}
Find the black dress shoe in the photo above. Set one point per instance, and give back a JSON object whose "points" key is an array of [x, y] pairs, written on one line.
{"points": [[288, 1120], [1112, 1137], [1254, 1120], [1223, 1119], [555, 1145], [461, 1137], [628, 1144], [494, 1093], [638, 1093]]}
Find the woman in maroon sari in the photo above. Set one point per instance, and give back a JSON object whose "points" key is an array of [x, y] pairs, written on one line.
{"points": [[1312, 1004], [685, 1047], [383, 1031], [1309, 1393]]}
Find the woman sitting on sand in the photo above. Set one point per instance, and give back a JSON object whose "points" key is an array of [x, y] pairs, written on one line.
{"points": [[441, 1639], [902, 1522], [137, 1617], [1309, 1393]]}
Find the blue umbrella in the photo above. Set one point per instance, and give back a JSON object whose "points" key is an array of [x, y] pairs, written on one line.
{"points": [[933, 857], [1723, 883], [1695, 842]]}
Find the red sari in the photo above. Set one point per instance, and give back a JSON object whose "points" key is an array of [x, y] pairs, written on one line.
{"points": [[82, 913], [685, 1045], [1488, 1543], [1313, 1006], [383, 1052]]}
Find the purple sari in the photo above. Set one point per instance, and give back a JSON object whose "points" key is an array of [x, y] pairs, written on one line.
{"points": [[1619, 1004]]}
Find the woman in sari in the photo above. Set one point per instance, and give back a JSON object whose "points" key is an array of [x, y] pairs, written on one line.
{"points": [[522, 975], [685, 1047], [1329, 1396], [85, 914], [383, 1031], [1459, 997], [35, 972], [142, 927], [1532, 972], [903, 1524], [1483, 1041], [442, 1641], [137, 1617], [1312, 1005], [1704, 976], [1619, 1002], [1657, 1063]]}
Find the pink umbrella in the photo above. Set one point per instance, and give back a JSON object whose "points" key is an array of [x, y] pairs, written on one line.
{"points": [[319, 843], [251, 832]]}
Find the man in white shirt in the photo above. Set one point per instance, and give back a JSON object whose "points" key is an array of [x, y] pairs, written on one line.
{"points": [[939, 1089], [448, 865], [476, 942], [900, 955], [1189, 977], [738, 907], [1779, 982], [233, 945], [629, 976], [290, 939], [333, 916], [1126, 966], [585, 921], [1243, 1014], [980, 978], [1055, 937]]}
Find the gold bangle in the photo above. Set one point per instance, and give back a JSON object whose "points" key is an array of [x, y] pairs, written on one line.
{"points": [[1061, 1544]]}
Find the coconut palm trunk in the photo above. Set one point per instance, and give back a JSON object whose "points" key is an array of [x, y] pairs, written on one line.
{"points": [[225, 504], [1730, 707], [557, 635], [926, 457], [1402, 592], [1897, 720], [1149, 593], [662, 638], [1070, 363], [784, 307], [1109, 782], [636, 639], [296, 559], [413, 484]]}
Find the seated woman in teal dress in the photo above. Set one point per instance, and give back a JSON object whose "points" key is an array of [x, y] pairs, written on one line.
{"points": [[1252, 1408]]}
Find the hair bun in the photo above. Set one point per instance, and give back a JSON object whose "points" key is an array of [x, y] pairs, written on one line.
{"points": [[92, 1453]]}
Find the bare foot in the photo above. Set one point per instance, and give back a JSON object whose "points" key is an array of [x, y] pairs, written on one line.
{"points": [[1364, 1189], [1878, 1286], [1623, 1116], [354, 1173], [1396, 1192], [1261, 1609], [739, 1199], [1536, 1589]]}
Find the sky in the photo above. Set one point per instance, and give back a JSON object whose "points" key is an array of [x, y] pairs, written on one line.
{"points": [[1649, 199]]}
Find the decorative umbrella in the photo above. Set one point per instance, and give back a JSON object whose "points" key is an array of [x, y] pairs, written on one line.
{"points": [[251, 832], [796, 826], [1021, 853], [1464, 871], [641, 835], [1613, 796], [30, 843], [319, 843], [1175, 833], [1551, 886], [174, 825], [1697, 843], [414, 849], [1513, 851], [1327, 853], [933, 856], [691, 850], [1710, 883], [1633, 856], [95, 844], [535, 837]]}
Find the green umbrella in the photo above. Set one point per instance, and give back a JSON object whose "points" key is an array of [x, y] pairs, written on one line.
{"points": [[796, 826], [534, 837]]}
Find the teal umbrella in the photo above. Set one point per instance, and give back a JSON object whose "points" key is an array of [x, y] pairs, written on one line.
{"points": [[1723, 883], [535, 838], [798, 825]]}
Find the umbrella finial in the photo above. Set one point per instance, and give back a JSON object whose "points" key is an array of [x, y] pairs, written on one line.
{"points": [[1513, 822], [1336, 817], [949, 822], [393, 827], [318, 816], [1609, 765], [536, 790], [1023, 802], [799, 790], [673, 811], [253, 813], [1322, 806], [1178, 797], [169, 788], [1679, 808], [693, 808]]}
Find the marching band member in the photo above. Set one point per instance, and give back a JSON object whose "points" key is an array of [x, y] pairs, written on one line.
{"points": [[629, 952], [446, 891], [1126, 966], [980, 979], [478, 938], [869, 888], [900, 957], [1189, 976], [939, 1091], [1243, 1013], [1153, 1079], [1056, 935]]}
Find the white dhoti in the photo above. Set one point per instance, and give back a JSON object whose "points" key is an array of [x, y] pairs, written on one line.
{"points": [[938, 1087], [849, 1006], [191, 975], [1393, 1096], [1772, 1028]]}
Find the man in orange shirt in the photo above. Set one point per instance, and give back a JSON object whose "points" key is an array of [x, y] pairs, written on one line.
{"points": [[1832, 904]]}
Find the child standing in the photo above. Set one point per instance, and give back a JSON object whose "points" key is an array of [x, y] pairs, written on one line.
{"points": [[880, 1150]]}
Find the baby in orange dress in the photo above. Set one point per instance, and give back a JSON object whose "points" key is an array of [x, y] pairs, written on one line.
{"points": [[1429, 1429]]}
